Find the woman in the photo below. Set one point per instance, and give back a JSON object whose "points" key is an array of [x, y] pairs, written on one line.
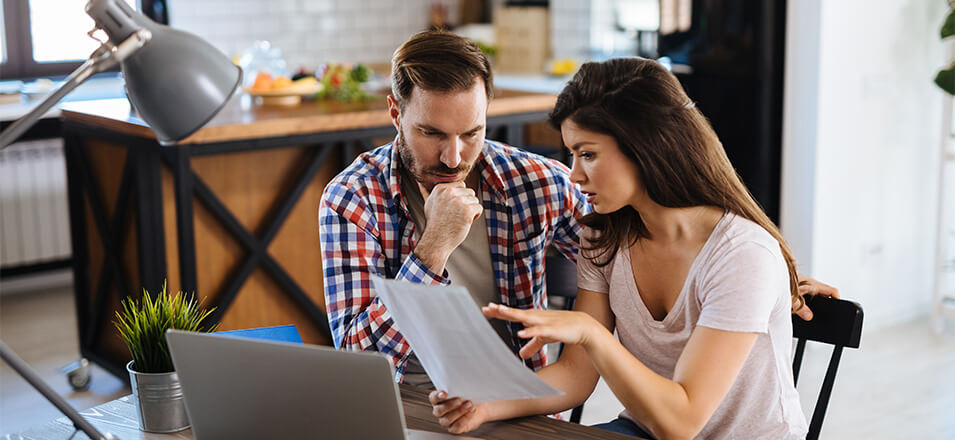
{"points": [[676, 257]]}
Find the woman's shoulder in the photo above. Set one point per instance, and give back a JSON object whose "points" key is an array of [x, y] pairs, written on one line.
{"points": [[741, 248], [593, 260], [741, 234], [744, 276]]}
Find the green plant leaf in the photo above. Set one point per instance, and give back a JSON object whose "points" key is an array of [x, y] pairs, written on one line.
{"points": [[948, 28], [946, 79], [142, 326]]}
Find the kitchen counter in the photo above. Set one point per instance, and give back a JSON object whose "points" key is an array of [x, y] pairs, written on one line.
{"points": [[241, 119], [228, 213]]}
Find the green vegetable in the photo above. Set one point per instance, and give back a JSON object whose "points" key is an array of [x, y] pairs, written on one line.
{"points": [[360, 73]]}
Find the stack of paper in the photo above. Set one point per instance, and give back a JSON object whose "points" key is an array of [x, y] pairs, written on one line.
{"points": [[456, 345]]}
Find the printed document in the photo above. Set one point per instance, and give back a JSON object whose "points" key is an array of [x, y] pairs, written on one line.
{"points": [[456, 345]]}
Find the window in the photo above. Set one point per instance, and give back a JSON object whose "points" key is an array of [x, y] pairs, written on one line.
{"points": [[48, 37], [3, 48]]}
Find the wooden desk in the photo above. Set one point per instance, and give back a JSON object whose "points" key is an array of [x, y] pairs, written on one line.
{"points": [[119, 418], [228, 213]]}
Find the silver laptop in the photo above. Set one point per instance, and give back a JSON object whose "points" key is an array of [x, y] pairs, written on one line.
{"points": [[244, 388]]}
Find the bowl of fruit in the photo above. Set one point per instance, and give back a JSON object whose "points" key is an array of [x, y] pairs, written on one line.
{"points": [[282, 90]]}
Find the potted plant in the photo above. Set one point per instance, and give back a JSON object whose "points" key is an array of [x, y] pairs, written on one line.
{"points": [[142, 325], [946, 77]]}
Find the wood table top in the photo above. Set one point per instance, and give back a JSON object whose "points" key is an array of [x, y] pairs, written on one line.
{"points": [[242, 119], [119, 418], [418, 416]]}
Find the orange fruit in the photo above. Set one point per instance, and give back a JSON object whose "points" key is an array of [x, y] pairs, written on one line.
{"points": [[281, 82], [263, 82]]}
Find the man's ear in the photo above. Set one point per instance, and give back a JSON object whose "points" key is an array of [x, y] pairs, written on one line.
{"points": [[395, 112]]}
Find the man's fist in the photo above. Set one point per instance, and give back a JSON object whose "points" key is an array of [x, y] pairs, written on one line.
{"points": [[450, 209]]}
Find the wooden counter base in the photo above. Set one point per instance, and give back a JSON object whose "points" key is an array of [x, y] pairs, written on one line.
{"points": [[229, 213]]}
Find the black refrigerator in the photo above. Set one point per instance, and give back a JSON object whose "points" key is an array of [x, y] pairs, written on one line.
{"points": [[730, 62]]}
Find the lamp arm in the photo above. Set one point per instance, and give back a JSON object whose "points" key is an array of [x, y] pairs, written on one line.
{"points": [[27, 373], [103, 58]]}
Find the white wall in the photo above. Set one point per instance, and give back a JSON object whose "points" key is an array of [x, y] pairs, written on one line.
{"points": [[309, 32], [570, 28], [862, 119]]}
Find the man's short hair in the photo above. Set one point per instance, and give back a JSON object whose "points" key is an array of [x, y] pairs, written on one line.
{"points": [[438, 61]]}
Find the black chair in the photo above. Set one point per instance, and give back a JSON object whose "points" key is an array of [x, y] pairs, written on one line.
{"points": [[561, 279], [837, 322]]}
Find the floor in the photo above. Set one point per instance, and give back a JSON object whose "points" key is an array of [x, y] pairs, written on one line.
{"points": [[40, 326], [900, 384]]}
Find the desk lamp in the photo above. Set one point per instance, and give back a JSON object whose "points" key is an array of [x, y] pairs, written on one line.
{"points": [[175, 81]]}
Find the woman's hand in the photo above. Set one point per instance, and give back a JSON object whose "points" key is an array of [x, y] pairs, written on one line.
{"points": [[455, 414], [811, 286], [547, 326]]}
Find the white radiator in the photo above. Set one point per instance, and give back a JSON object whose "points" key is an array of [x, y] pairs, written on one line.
{"points": [[34, 212]]}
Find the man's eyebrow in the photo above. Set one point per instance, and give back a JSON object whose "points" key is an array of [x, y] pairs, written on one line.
{"points": [[427, 127]]}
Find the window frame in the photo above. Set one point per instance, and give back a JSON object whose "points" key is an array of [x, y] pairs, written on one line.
{"points": [[19, 63]]}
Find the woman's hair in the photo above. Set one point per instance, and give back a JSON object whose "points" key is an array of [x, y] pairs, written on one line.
{"points": [[678, 156], [438, 61]]}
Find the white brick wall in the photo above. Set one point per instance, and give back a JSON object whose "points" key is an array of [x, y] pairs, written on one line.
{"points": [[570, 23], [309, 32]]}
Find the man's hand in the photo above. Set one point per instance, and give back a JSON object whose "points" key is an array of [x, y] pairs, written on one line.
{"points": [[811, 286], [457, 415], [450, 209]]}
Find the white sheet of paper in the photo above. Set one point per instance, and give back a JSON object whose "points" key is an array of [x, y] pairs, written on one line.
{"points": [[456, 345]]}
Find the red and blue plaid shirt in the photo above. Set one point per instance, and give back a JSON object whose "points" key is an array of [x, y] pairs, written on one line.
{"points": [[365, 229]]}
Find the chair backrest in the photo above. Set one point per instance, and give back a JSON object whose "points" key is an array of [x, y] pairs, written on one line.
{"points": [[836, 322], [561, 278]]}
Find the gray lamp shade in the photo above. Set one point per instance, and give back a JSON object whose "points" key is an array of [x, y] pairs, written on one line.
{"points": [[177, 82]]}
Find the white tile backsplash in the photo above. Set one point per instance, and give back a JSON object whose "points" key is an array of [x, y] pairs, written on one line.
{"points": [[316, 6], [312, 32]]}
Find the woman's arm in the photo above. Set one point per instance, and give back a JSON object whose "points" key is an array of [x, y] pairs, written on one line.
{"points": [[573, 374], [670, 408], [681, 407]]}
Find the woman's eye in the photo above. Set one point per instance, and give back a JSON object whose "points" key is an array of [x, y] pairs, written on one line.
{"points": [[586, 155]]}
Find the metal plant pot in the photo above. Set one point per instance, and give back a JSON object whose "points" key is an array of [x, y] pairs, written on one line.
{"points": [[159, 401]]}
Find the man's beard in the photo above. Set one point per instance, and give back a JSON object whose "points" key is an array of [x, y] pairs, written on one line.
{"points": [[413, 168]]}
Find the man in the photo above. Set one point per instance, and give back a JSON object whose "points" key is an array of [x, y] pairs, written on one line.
{"points": [[441, 205]]}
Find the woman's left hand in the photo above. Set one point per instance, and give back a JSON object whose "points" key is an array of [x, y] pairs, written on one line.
{"points": [[546, 326]]}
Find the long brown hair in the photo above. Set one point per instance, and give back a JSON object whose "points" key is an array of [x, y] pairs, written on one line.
{"points": [[438, 61], [676, 152]]}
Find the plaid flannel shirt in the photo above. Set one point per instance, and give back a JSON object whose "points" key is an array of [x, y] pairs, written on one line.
{"points": [[365, 229]]}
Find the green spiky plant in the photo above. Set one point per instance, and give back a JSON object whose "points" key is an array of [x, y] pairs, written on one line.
{"points": [[946, 77], [142, 325]]}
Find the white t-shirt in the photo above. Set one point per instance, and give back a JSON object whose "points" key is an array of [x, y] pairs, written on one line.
{"points": [[739, 282]]}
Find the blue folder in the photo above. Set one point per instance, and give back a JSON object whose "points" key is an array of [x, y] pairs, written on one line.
{"points": [[282, 333]]}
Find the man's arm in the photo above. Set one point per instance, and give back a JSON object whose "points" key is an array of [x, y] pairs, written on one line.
{"points": [[811, 286], [450, 209], [573, 205], [351, 252]]}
